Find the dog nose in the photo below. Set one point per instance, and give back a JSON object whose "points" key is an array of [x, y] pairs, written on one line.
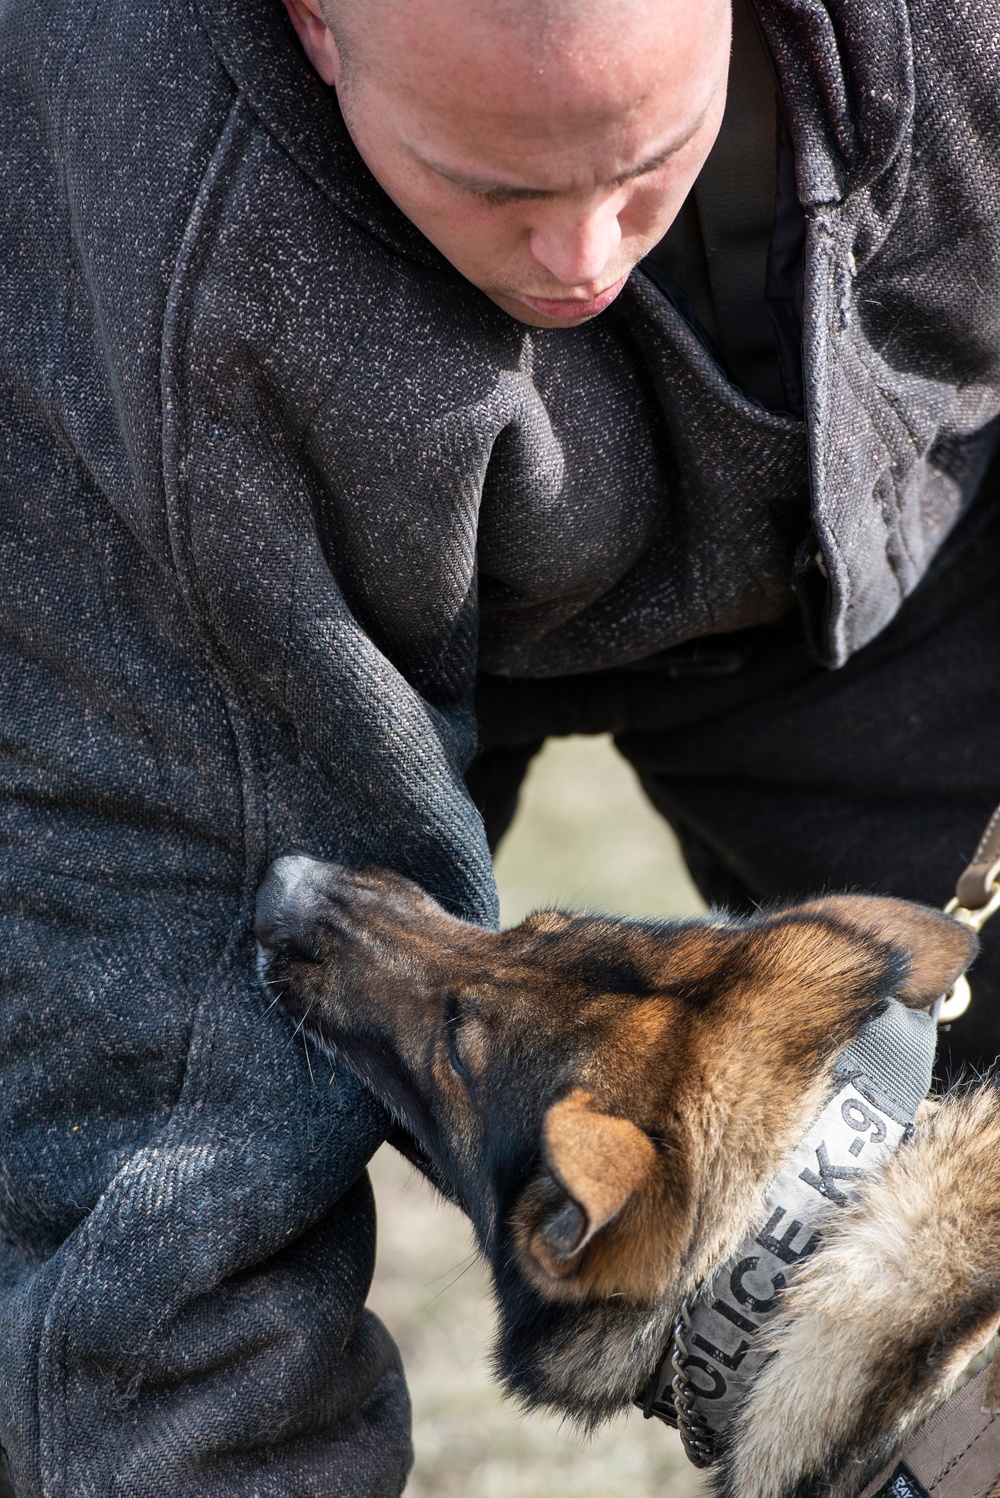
{"points": [[289, 898]]}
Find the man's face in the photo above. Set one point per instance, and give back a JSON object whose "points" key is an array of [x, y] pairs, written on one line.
{"points": [[542, 161]]}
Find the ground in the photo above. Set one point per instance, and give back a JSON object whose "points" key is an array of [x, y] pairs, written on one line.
{"points": [[584, 838]]}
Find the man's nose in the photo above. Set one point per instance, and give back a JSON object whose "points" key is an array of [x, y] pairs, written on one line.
{"points": [[577, 247]]}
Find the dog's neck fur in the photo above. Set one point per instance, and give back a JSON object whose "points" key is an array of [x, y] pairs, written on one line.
{"points": [[734, 1158]]}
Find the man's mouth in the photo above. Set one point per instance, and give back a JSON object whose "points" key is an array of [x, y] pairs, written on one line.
{"points": [[571, 309]]}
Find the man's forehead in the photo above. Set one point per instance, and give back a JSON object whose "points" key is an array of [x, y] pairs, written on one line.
{"points": [[591, 97]]}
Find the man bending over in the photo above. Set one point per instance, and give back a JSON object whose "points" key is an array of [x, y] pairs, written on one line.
{"points": [[549, 344]]}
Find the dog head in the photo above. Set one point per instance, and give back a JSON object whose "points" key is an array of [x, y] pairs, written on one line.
{"points": [[605, 1098]]}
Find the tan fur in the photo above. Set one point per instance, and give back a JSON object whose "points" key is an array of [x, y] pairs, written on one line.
{"points": [[881, 1323], [600, 1162], [938, 948], [748, 1058]]}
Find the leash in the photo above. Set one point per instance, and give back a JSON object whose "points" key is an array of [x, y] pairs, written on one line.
{"points": [[977, 897], [885, 1075], [955, 1454]]}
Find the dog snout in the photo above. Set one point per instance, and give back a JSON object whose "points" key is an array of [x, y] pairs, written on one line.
{"points": [[295, 890]]}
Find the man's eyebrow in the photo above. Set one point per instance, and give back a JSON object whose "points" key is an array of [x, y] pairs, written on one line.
{"points": [[482, 187]]}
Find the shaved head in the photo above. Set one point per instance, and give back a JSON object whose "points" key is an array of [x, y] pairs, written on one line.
{"points": [[543, 145], [534, 24], [535, 34]]}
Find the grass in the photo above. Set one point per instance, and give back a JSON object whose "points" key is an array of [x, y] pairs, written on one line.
{"points": [[584, 838]]}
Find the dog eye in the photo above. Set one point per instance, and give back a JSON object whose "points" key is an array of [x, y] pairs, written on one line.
{"points": [[454, 1059], [453, 1025]]}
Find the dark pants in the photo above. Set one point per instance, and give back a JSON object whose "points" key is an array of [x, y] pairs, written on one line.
{"points": [[782, 779]]}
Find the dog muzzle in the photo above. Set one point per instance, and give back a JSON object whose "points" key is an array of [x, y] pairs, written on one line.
{"points": [[716, 1350]]}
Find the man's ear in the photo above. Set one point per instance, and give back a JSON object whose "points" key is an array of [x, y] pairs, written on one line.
{"points": [[599, 1162], [938, 948], [316, 37]]}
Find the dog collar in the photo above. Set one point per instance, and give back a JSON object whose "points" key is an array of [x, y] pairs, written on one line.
{"points": [[715, 1351]]}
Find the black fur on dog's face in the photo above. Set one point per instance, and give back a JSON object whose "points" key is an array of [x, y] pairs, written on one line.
{"points": [[605, 1098]]}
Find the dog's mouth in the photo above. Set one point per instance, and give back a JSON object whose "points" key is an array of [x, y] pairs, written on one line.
{"points": [[407, 1146], [403, 1142], [400, 1137]]}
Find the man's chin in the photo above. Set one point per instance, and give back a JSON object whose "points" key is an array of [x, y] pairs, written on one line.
{"points": [[561, 312]]}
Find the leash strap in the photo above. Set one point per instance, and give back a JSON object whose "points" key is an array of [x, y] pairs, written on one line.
{"points": [[977, 898], [975, 888], [956, 1454]]}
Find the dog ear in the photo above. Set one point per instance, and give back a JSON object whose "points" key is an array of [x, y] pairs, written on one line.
{"points": [[939, 948], [599, 1162]]}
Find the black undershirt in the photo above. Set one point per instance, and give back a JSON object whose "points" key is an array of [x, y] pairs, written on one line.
{"points": [[716, 250]]}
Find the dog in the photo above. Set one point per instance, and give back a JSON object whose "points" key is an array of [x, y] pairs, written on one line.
{"points": [[606, 1099]]}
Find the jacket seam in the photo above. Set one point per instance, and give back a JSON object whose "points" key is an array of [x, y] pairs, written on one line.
{"points": [[302, 163], [173, 455]]}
